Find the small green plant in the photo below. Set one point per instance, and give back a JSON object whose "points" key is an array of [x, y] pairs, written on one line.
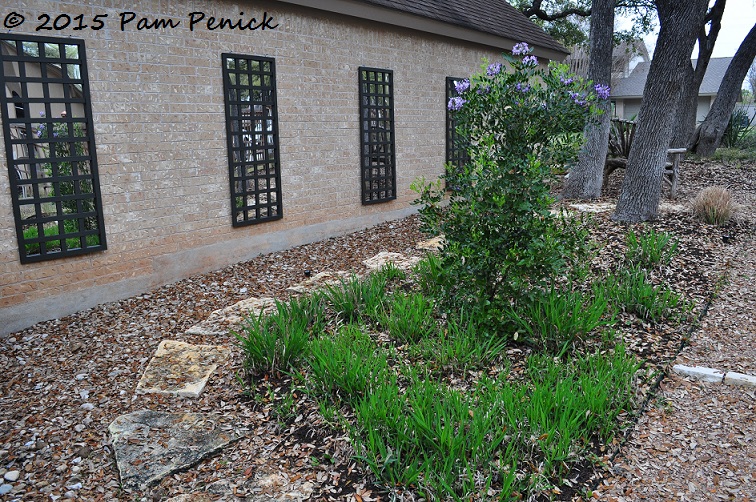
{"points": [[557, 318], [430, 275], [274, 343], [714, 205], [650, 249], [570, 402], [410, 317], [630, 289], [358, 298]]}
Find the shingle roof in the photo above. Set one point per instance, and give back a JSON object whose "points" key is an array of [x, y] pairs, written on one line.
{"points": [[490, 22], [632, 86], [496, 17]]}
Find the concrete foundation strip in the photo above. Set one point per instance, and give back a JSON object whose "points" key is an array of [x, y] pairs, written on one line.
{"points": [[714, 375]]}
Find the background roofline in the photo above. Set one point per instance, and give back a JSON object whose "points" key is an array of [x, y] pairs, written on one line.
{"points": [[394, 17]]}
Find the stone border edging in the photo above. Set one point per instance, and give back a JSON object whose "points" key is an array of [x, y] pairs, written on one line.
{"points": [[714, 375]]}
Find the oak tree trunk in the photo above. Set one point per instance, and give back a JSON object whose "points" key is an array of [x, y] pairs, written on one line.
{"points": [[586, 177], [710, 133], [687, 110], [641, 188]]}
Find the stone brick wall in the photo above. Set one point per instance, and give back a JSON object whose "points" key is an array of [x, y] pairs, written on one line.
{"points": [[158, 110]]}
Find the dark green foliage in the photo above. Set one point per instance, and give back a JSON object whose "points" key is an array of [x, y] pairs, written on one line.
{"points": [[502, 240]]}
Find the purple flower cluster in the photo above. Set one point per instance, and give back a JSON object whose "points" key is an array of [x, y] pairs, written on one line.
{"points": [[456, 103], [602, 91], [522, 87], [462, 86], [493, 69], [521, 48], [530, 61], [566, 81], [577, 98]]}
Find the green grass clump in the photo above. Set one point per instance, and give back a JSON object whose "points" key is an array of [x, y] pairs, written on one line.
{"points": [[459, 345], [410, 317], [358, 298], [275, 342], [345, 366], [557, 318], [650, 249], [630, 290]]}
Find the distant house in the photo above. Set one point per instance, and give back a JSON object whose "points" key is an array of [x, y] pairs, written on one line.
{"points": [[627, 94], [144, 147]]}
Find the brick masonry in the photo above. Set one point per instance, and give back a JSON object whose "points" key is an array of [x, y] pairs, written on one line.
{"points": [[158, 111]]}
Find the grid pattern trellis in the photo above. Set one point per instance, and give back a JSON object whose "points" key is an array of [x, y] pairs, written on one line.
{"points": [[456, 146], [252, 138], [378, 159], [49, 143]]}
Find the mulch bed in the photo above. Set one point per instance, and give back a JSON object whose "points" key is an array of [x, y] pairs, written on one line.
{"points": [[65, 380]]}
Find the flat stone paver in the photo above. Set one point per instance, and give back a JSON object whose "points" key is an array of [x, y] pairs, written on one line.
{"points": [[150, 445], [181, 369], [320, 281], [222, 321], [399, 260], [434, 244]]}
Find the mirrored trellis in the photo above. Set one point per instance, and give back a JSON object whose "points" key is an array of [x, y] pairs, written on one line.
{"points": [[378, 158], [49, 143], [456, 145], [252, 138]]}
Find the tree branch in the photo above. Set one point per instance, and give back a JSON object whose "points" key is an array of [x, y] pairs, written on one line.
{"points": [[536, 10]]}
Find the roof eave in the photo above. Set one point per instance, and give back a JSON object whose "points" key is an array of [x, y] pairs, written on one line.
{"points": [[407, 20]]}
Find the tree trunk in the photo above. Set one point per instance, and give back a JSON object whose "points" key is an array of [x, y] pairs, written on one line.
{"points": [[586, 177], [710, 132], [641, 188], [687, 111]]}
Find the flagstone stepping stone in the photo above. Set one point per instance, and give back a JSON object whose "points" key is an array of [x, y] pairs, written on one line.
{"points": [[434, 244], [397, 259], [320, 281], [150, 445], [181, 369], [594, 207], [193, 497], [231, 318], [605, 207]]}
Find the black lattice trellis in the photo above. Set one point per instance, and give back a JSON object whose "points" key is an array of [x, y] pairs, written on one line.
{"points": [[378, 159], [456, 145], [49, 143], [252, 138]]}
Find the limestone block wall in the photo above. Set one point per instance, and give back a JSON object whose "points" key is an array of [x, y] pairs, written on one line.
{"points": [[158, 112]]}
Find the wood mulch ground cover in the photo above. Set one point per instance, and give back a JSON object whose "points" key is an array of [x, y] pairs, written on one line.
{"points": [[65, 380]]}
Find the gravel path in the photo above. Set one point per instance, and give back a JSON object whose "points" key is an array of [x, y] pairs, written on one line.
{"points": [[697, 441]]}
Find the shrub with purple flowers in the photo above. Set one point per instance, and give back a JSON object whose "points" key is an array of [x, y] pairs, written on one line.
{"points": [[522, 122]]}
